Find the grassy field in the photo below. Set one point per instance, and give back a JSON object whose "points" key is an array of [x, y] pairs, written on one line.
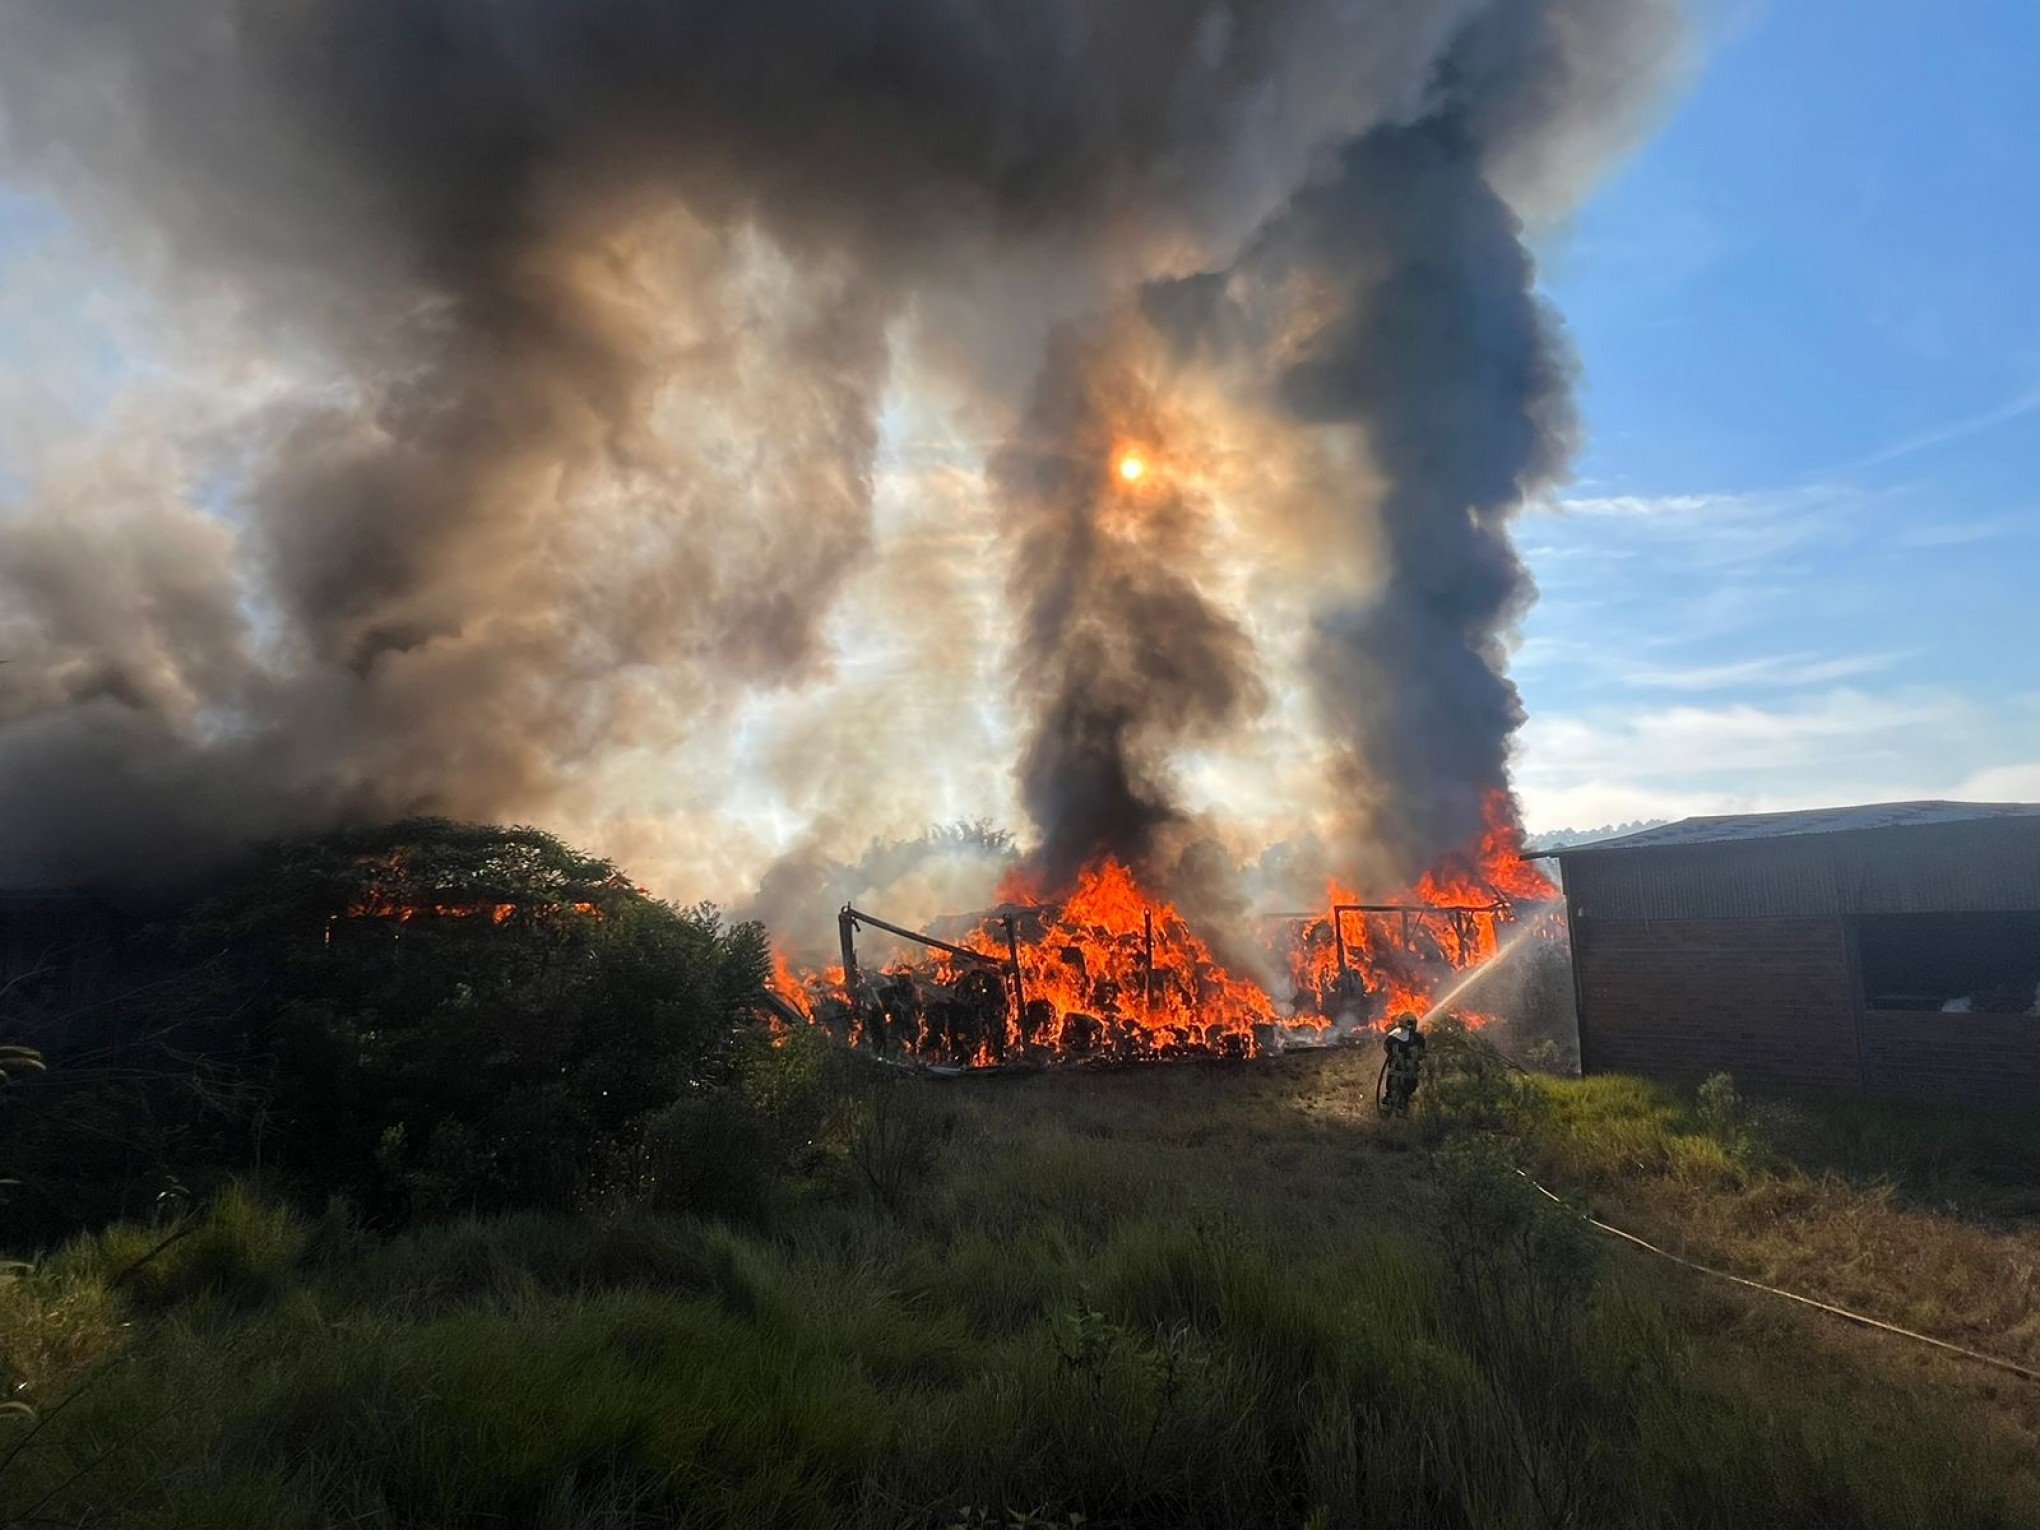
{"points": [[1193, 1295], [1921, 1216]]}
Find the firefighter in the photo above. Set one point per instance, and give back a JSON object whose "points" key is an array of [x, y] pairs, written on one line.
{"points": [[1403, 1063]]}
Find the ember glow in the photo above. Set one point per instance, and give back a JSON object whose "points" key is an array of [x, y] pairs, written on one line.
{"points": [[1110, 972], [395, 891], [493, 913]]}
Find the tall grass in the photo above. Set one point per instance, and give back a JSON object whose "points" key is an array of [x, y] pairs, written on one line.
{"points": [[241, 1251], [1909, 1213], [1170, 1304]]}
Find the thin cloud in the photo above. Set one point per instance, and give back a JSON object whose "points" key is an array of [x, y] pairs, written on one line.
{"points": [[1937, 534], [1846, 745], [1651, 507], [2016, 407], [2001, 783], [1550, 808], [1703, 748], [1592, 804], [1712, 529], [1778, 671]]}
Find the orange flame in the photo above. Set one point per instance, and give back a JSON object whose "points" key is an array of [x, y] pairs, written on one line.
{"points": [[1119, 972], [379, 900], [379, 906], [1112, 971], [788, 987]]}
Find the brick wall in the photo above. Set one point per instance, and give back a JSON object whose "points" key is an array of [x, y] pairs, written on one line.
{"points": [[1768, 1000], [1953, 1057]]}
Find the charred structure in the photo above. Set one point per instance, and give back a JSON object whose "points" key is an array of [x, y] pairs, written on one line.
{"points": [[1109, 973]]}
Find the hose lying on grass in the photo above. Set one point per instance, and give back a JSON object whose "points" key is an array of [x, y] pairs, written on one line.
{"points": [[1996, 1361]]}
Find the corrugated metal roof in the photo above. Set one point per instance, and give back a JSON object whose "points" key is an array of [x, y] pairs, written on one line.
{"points": [[1765, 826]]}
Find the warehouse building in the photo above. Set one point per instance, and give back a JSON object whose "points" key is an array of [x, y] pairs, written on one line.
{"points": [[1885, 950]]}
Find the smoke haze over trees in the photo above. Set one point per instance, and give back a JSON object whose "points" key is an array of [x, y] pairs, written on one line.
{"points": [[694, 425]]}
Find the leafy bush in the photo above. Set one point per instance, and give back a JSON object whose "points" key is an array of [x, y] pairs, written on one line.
{"points": [[798, 1082], [1473, 1086], [430, 1018], [785, 1115], [491, 1060], [1522, 1267], [711, 1154], [1727, 1118]]}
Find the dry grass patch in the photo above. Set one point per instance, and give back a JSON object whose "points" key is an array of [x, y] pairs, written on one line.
{"points": [[56, 1329]]}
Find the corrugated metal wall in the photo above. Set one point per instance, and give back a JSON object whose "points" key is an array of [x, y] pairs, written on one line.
{"points": [[1951, 868]]}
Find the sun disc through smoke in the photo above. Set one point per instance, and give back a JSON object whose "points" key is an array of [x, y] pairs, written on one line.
{"points": [[1132, 468]]}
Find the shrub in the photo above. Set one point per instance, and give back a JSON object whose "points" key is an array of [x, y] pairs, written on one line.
{"points": [[430, 1018], [1728, 1118], [785, 1113], [710, 1154], [1523, 1265], [894, 1131], [242, 1250], [1473, 1086], [798, 1082]]}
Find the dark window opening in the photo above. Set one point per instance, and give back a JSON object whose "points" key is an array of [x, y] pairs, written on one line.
{"points": [[1986, 964]]}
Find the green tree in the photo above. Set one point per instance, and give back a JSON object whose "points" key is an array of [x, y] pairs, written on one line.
{"points": [[431, 1016]]}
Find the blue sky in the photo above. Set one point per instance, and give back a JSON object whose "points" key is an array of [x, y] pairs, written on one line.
{"points": [[1799, 562]]}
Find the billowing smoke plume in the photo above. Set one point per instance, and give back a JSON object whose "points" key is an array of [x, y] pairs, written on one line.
{"points": [[577, 326], [937, 872], [1122, 656], [1444, 359], [1393, 296], [1422, 330]]}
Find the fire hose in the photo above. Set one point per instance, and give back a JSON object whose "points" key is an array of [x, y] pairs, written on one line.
{"points": [[1863, 1319]]}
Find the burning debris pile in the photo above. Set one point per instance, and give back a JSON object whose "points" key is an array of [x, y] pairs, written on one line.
{"points": [[1382, 959], [1110, 972]]}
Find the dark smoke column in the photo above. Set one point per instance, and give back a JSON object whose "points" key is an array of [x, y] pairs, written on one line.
{"points": [[1444, 357], [1121, 656], [1393, 301]]}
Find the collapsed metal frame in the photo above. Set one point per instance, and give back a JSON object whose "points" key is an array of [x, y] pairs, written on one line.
{"points": [[1463, 916], [849, 919]]}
